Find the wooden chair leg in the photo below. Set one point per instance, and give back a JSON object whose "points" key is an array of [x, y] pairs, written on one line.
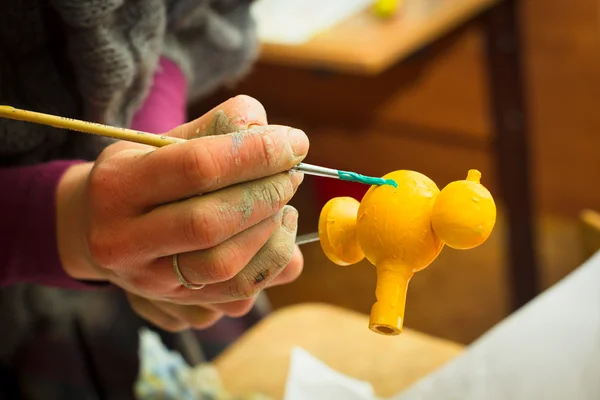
{"points": [[511, 146], [590, 231]]}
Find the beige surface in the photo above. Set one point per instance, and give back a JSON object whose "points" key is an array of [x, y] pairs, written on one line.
{"points": [[366, 44], [340, 338]]}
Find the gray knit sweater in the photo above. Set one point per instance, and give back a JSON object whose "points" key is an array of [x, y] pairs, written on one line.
{"points": [[95, 59]]}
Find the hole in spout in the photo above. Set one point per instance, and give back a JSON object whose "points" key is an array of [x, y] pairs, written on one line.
{"points": [[385, 330]]}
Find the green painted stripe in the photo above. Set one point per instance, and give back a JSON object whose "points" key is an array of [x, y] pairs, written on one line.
{"points": [[367, 180]]}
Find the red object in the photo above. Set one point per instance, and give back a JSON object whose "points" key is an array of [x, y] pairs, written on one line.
{"points": [[327, 189]]}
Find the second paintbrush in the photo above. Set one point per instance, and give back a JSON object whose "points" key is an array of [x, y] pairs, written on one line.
{"points": [[162, 140]]}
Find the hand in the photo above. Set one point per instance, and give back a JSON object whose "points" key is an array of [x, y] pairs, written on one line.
{"points": [[218, 200], [173, 317]]}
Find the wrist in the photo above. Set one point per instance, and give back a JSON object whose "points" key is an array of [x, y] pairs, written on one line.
{"points": [[71, 224]]}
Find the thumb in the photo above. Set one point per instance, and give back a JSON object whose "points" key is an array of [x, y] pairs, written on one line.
{"points": [[236, 114]]}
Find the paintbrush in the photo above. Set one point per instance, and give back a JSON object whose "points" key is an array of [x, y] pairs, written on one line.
{"points": [[163, 140]]}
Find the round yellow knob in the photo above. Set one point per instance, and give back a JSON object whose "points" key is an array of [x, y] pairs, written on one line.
{"points": [[464, 213], [337, 231]]}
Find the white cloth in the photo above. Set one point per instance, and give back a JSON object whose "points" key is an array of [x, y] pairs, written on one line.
{"points": [[309, 378]]}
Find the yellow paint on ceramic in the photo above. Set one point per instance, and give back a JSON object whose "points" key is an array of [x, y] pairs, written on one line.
{"points": [[464, 213], [337, 231], [392, 228], [394, 231]]}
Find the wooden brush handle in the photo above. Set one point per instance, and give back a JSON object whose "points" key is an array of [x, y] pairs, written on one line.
{"points": [[88, 127]]}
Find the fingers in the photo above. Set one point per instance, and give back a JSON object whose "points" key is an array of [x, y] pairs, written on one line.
{"points": [[260, 271], [197, 317], [292, 271], [172, 317], [289, 274], [210, 163], [226, 260], [147, 310], [206, 221], [216, 264], [234, 115], [234, 309]]}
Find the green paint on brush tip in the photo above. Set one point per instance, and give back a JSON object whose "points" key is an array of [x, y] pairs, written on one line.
{"points": [[367, 180]]}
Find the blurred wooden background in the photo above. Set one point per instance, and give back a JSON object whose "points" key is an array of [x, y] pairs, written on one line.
{"points": [[418, 118]]}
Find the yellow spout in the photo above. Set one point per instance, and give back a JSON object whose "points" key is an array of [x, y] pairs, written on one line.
{"points": [[387, 314]]}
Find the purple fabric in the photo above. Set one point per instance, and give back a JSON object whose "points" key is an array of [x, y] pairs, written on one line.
{"points": [[165, 107], [28, 224], [28, 228]]}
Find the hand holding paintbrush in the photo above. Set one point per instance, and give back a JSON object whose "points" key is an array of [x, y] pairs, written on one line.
{"points": [[205, 214]]}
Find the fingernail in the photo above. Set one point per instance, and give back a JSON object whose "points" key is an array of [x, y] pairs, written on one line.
{"points": [[299, 142], [290, 218]]}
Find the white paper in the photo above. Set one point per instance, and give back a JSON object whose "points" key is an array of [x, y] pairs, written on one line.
{"points": [[549, 350], [309, 378], [298, 21]]}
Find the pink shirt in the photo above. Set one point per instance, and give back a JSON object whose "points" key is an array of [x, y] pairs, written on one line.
{"points": [[28, 251]]}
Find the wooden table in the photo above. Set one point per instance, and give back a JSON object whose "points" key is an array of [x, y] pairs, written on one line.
{"points": [[366, 45], [259, 361]]}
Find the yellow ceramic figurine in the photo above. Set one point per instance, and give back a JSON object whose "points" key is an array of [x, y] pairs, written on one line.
{"points": [[401, 230]]}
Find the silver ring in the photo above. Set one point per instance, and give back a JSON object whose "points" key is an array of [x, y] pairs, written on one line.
{"points": [[182, 280]]}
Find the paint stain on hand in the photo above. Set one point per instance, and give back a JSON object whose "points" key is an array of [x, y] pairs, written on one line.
{"points": [[245, 206], [257, 193], [262, 276], [237, 140], [221, 124]]}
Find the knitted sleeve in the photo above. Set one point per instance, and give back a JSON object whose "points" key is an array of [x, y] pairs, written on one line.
{"points": [[114, 48], [215, 45]]}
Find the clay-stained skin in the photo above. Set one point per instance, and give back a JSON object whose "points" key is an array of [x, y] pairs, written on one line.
{"points": [[238, 137], [237, 140], [246, 207], [269, 146], [221, 124], [274, 256], [261, 276], [253, 195]]}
